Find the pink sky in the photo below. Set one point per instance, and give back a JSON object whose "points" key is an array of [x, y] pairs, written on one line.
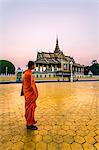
{"points": [[28, 26]]}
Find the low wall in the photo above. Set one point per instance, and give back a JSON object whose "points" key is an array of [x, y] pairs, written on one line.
{"points": [[89, 78], [14, 77], [8, 78]]}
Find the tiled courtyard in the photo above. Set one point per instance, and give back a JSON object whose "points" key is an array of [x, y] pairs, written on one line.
{"points": [[67, 115]]}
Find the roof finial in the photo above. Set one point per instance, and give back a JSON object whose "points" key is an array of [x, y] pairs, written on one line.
{"points": [[57, 39], [57, 49]]}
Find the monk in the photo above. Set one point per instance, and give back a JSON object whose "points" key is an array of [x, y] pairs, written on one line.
{"points": [[30, 93]]}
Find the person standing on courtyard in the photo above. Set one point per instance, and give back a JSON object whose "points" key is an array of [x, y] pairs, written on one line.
{"points": [[30, 94]]}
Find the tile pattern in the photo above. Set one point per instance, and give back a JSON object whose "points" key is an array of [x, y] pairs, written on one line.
{"points": [[67, 115]]}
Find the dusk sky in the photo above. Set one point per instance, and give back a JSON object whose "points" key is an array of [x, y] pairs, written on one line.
{"points": [[28, 26]]}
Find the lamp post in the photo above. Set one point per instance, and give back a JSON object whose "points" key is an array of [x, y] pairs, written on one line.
{"points": [[6, 70], [71, 71]]}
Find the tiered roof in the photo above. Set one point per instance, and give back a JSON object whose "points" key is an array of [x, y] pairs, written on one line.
{"points": [[54, 58]]}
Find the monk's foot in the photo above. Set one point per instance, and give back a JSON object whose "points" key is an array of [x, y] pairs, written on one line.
{"points": [[32, 127], [35, 122]]}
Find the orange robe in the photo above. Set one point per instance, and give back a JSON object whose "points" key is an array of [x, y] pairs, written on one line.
{"points": [[30, 94]]}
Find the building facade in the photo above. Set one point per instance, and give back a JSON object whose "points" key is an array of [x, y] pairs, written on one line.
{"points": [[56, 64]]}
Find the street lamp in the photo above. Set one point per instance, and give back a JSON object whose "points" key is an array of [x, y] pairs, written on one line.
{"points": [[6, 70], [71, 71]]}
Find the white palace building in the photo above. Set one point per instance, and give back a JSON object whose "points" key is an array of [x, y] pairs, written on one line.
{"points": [[49, 65]]}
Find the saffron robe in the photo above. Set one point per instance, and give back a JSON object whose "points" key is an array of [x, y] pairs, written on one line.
{"points": [[30, 94]]}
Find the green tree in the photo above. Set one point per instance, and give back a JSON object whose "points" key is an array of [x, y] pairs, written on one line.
{"points": [[86, 70], [95, 68], [4, 64]]}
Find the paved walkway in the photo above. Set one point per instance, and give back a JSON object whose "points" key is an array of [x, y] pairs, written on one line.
{"points": [[67, 114]]}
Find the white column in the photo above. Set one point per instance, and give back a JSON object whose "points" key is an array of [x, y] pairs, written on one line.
{"points": [[52, 69], [44, 68], [6, 70], [71, 71], [40, 68], [68, 67], [36, 68]]}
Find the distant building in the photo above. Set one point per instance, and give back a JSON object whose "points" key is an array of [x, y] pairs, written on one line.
{"points": [[90, 73], [19, 73], [56, 63]]}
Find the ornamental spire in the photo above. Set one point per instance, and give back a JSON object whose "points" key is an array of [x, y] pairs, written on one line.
{"points": [[57, 49]]}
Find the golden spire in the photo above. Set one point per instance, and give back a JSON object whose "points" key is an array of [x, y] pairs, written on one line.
{"points": [[57, 49]]}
